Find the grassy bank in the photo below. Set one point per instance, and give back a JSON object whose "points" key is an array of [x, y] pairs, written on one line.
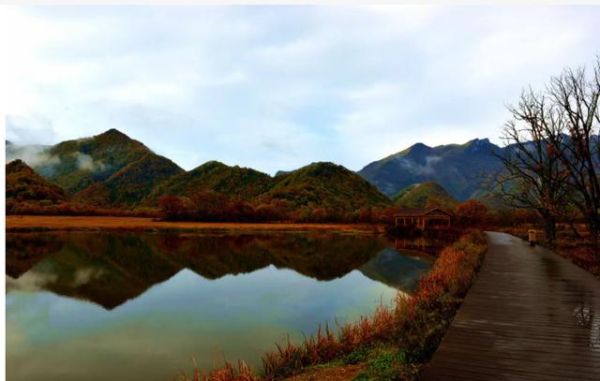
{"points": [[94, 223], [391, 344]]}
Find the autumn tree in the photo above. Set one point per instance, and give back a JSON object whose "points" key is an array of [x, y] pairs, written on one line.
{"points": [[576, 110], [471, 213], [174, 208], [533, 176]]}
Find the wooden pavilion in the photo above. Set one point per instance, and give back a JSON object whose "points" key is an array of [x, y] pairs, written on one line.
{"points": [[429, 218]]}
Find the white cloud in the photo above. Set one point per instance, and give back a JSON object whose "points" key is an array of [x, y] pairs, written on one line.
{"points": [[87, 163], [279, 87]]}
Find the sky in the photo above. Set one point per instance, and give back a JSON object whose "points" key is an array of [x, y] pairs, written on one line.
{"points": [[278, 87]]}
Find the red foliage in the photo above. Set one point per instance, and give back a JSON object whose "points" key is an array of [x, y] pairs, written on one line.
{"points": [[472, 213]]}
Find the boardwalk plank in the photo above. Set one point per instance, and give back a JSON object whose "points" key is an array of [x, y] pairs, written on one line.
{"points": [[530, 315]]}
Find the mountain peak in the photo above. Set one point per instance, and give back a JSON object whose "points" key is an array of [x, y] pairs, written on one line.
{"points": [[114, 133], [211, 165], [17, 166], [416, 149], [479, 141], [420, 146], [476, 145]]}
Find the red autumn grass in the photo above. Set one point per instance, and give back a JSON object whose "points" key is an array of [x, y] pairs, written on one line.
{"points": [[228, 372], [422, 319], [415, 324]]}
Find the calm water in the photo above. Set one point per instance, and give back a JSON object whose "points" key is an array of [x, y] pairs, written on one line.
{"points": [[108, 306]]}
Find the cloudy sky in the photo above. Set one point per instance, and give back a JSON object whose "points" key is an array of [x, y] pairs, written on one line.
{"points": [[279, 87]]}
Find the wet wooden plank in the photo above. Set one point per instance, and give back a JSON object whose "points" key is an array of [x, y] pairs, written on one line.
{"points": [[530, 315]]}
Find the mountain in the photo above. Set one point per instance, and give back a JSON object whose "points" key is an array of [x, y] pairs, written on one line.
{"points": [[77, 164], [24, 185], [423, 194], [325, 185], [461, 169], [132, 183], [113, 170], [106, 169], [244, 183]]}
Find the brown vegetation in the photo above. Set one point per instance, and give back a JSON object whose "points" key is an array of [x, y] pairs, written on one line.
{"points": [[213, 206], [28, 223]]}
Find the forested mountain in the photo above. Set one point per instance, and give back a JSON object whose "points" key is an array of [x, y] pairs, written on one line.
{"points": [[109, 169], [244, 183], [462, 169], [325, 185]]}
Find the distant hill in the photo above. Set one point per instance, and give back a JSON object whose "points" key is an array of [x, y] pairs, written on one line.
{"points": [[106, 169], [244, 183], [24, 185], [325, 185], [459, 168], [424, 194]]}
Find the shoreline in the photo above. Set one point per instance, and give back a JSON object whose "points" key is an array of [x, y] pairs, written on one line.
{"points": [[29, 223]]}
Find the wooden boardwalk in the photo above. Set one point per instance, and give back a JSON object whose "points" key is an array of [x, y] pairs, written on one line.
{"points": [[530, 315]]}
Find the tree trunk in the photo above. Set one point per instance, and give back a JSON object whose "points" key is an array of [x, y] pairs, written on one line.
{"points": [[593, 222], [574, 230], [550, 229]]}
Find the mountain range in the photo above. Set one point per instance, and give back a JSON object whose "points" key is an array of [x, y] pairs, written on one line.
{"points": [[461, 169], [113, 170]]}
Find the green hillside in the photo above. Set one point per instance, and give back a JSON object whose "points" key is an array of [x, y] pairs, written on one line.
{"points": [[132, 183], [325, 185], [423, 195], [238, 182]]}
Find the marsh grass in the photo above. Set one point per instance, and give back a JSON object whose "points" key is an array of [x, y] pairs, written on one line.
{"points": [[228, 372]]}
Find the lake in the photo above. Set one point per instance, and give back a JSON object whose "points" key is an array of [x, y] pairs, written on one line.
{"points": [[122, 306]]}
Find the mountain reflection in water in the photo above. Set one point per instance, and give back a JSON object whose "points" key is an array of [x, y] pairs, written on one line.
{"points": [[206, 296]]}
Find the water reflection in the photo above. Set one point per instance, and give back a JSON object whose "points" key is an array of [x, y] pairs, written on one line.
{"points": [[109, 269], [159, 299]]}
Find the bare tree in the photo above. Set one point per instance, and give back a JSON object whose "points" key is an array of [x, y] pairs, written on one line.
{"points": [[533, 176], [575, 99]]}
